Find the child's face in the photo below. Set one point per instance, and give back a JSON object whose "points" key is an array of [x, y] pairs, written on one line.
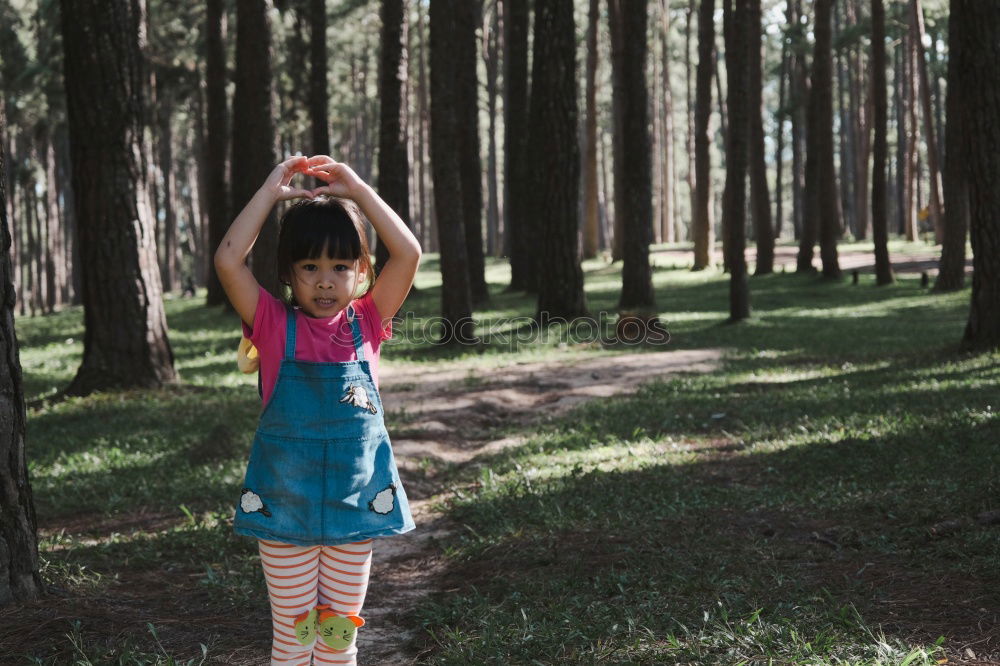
{"points": [[323, 287]]}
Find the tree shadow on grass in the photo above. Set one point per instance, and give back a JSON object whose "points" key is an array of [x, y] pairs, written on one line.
{"points": [[632, 557], [197, 585]]}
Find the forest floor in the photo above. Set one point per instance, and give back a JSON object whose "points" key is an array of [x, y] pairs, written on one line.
{"points": [[812, 486]]}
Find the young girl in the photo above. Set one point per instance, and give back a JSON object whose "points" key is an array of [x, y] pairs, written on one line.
{"points": [[321, 482]]}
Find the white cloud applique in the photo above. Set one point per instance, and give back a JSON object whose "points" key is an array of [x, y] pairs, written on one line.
{"points": [[357, 396], [384, 500], [251, 501]]}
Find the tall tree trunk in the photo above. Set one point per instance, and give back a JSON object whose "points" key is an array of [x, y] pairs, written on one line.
{"points": [[253, 129], [936, 197], [980, 23], [899, 85], [470, 164], [799, 93], [54, 269], [590, 210], [633, 186], [666, 170], [617, 130], [426, 204], [19, 577], [846, 127], [492, 65], [760, 197], [216, 141], [779, 141], [655, 115], [555, 160], [739, 26], [880, 149], [821, 210], [456, 297], [701, 223], [910, 175], [319, 97], [165, 140], [523, 273], [689, 99], [393, 165], [860, 93], [125, 340], [951, 267]]}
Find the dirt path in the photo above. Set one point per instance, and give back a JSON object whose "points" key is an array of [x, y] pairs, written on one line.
{"points": [[449, 417]]}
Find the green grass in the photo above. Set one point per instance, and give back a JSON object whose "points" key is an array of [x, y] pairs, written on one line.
{"points": [[776, 510]]}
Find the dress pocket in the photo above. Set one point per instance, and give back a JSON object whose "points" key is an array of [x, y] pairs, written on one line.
{"points": [[284, 484]]}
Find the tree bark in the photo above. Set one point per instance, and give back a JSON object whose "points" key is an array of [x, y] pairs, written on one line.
{"points": [[470, 165], [492, 66], [689, 99], [951, 267], [590, 210], [555, 158], [666, 170], [425, 201], [456, 297], [523, 273], [169, 261], [980, 23], [910, 175], [821, 204], [19, 577], [125, 339], [253, 130], [633, 186], [760, 197], [216, 141], [860, 93], [393, 164], [880, 149], [739, 27], [936, 197], [799, 93], [319, 98], [701, 222], [779, 139]]}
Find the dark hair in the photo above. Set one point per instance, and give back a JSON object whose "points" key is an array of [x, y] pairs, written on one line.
{"points": [[311, 225]]}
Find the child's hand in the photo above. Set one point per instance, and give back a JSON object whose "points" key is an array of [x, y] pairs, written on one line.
{"points": [[278, 182], [340, 179]]}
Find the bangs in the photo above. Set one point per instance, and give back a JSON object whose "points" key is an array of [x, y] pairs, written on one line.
{"points": [[310, 227], [313, 236]]}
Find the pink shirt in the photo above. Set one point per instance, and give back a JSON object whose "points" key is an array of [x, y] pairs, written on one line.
{"points": [[323, 340]]}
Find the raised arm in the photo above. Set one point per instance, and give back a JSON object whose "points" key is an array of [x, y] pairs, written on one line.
{"points": [[230, 257], [397, 275]]}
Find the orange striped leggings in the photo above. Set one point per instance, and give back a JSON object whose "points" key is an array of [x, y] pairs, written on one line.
{"points": [[299, 578]]}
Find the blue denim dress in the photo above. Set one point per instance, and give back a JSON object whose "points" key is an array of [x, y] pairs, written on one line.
{"points": [[321, 469]]}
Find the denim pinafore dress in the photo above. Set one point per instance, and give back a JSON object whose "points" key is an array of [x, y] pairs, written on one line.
{"points": [[321, 470]]}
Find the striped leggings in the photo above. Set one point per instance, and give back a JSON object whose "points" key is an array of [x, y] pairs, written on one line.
{"points": [[299, 578]]}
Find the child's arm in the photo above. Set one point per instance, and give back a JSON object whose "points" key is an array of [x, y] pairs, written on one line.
{"points": [[230, 257], [397, 275]]}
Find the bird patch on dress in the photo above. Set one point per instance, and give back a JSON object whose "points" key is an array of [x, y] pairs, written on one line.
{"points": [[384, 500], [357, 396], [251, 502]]}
